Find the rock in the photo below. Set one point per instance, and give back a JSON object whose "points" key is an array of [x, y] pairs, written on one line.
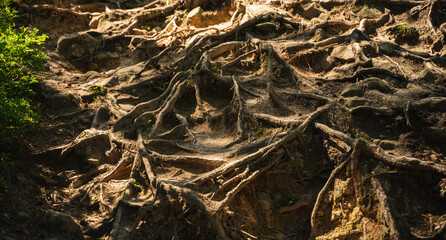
{"points": [[57, 222], [63, 101], [313, 11], [352, 90], [319, 35], [324, 17], [194, 18], [22, 216], [388, 48], [356, 102], [375, 83], [369, 12], [369, 49], [388, 144], [77, 45], [78, 48], [428, 76], [344, 53], [102, 115]]}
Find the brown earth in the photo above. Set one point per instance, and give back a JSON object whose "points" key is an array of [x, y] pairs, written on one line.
{"points": [[236, 120]]}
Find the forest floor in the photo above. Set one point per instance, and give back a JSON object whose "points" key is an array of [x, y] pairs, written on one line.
{"points": [[207, 119]]}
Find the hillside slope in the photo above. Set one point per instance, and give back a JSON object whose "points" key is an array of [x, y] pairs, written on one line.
{"points": [[206, 119]]}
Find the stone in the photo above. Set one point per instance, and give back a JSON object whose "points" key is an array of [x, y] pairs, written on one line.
{"points": [[345, 53], [369, 49], [102, 115], [77, 45], [319, 35], [57, 222], [388, 48], [428, 76], [313, 11], [352, 90], [356, 102], [375, 83], [324, 16], [63, 101], [369, 12], [194, 18], [388, 144]]}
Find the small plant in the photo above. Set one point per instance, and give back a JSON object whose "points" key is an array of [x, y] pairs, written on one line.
{"points": [[403, 33], [98, 90], [261, 133], [164, 86]]}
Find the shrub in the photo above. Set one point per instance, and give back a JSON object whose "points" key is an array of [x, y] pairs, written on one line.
{"points": [[20, 55]]}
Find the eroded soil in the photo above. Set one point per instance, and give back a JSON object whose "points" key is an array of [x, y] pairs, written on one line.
{"points": [[236, 120]]}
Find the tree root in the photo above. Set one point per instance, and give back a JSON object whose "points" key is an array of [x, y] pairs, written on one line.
{"points": [[385, 211], [379, 154]]}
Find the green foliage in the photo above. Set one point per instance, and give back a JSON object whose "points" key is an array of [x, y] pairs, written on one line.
{"points": [[20, 55], [403, 33], [404, 30], [261, 133], [100, 90]]}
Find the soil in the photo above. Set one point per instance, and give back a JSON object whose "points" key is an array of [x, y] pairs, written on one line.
{"points": [[237, 120]]}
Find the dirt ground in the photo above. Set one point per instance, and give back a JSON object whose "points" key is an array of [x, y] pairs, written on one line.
{"points": [[207, 119]]}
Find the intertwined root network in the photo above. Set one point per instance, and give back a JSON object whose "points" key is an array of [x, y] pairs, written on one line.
{"points": [[249, 124]]}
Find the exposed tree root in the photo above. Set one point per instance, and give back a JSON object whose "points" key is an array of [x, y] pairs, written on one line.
{"points": [[227, 131]]}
